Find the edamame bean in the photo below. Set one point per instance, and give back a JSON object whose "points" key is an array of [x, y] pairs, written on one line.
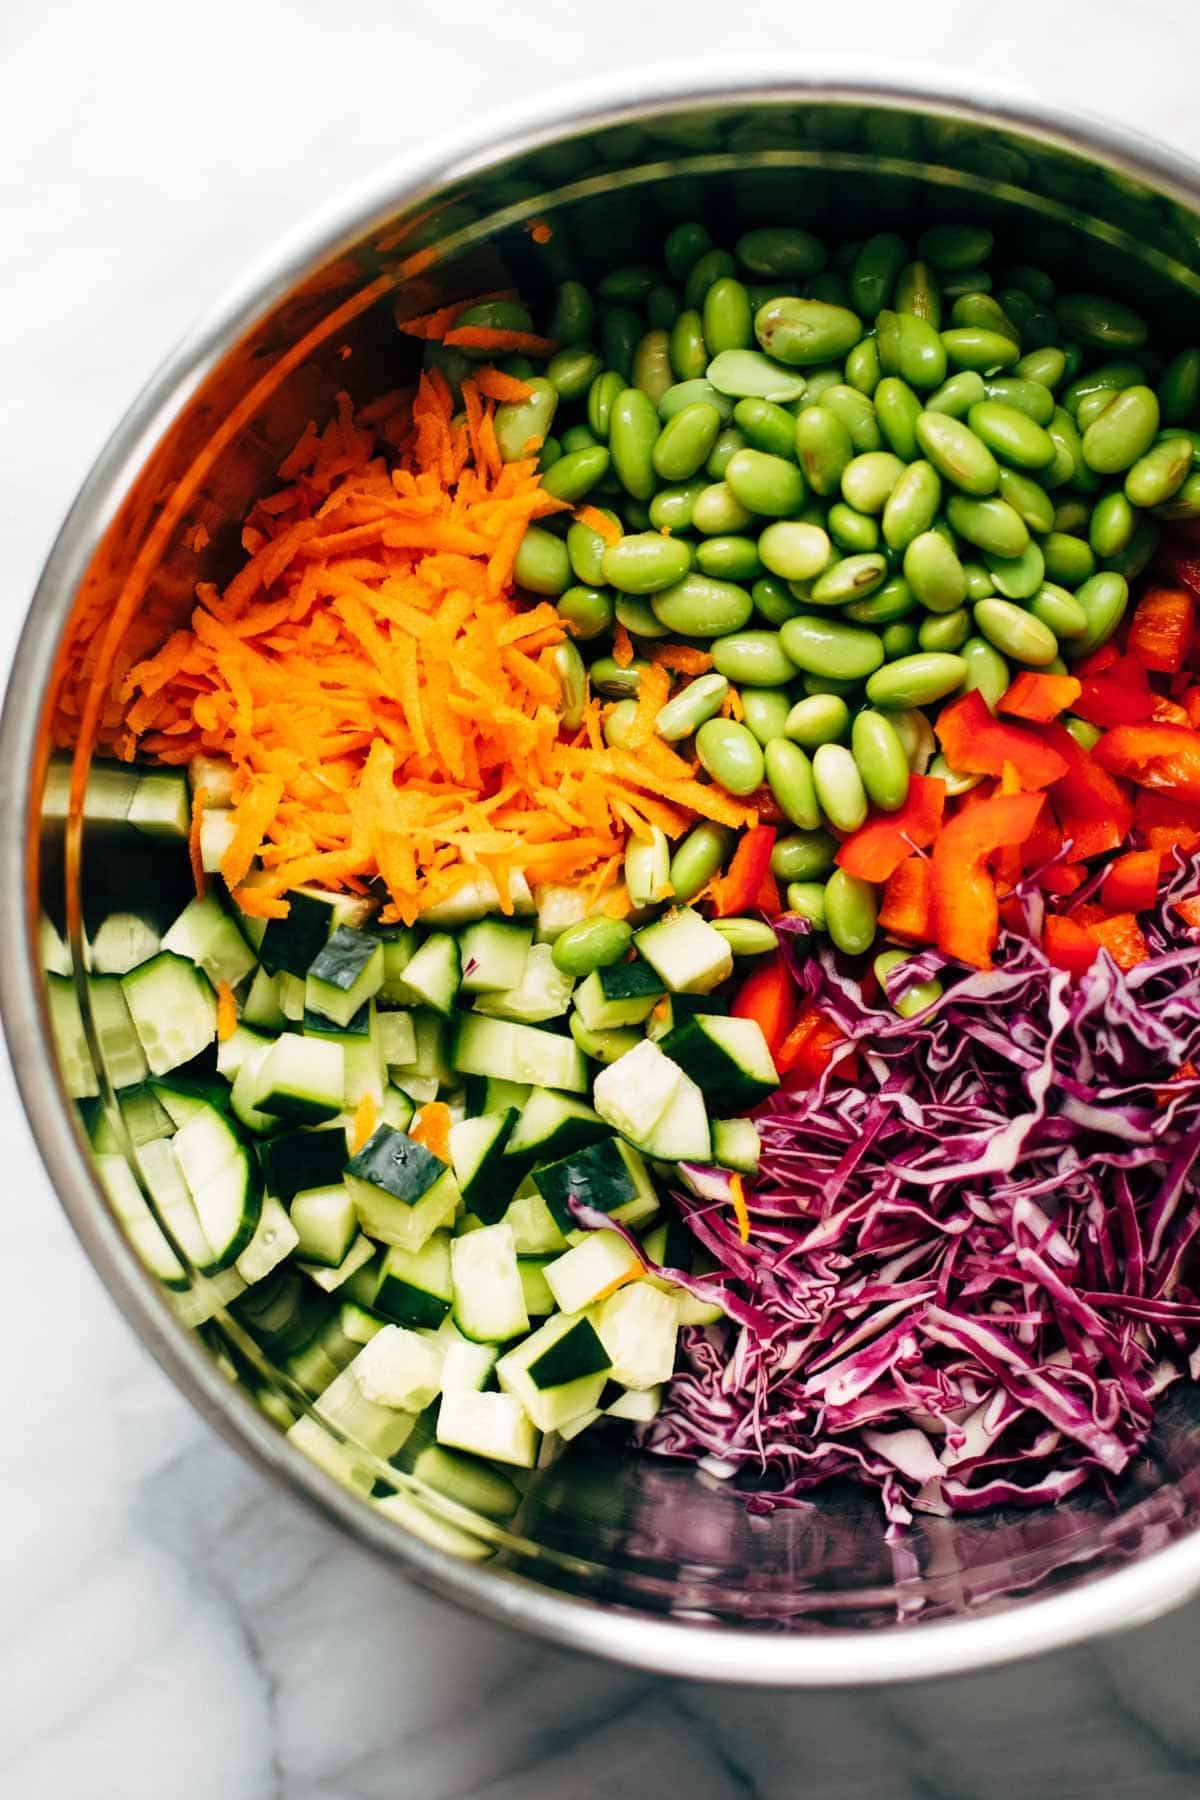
{"points": [[874, 270], [629, 283], [1017, 577], [819, 719], [1028, 499], [918, 294], [956, 452], [685, 441], [855, 533], [803, 856], [917, 995], [718, 511], [542, 565], [1072, 516], [1185, 503], [992, 525], [1028, 398], [765, 712], [567, 665], [944, 631], [700, 606], [602, 397], [957, 396], [767, 485], [808, 899], [690, 393], [573, 315], [1046, 366], [1059, 611], [729, 558], [572, 371], [916, 680], [980, 585], [823, 447], [987, 672], [495, 315], [912, 506], [591, 944], [1016, 633], [955, 246], [729, 442], [894, 600], [1158, 475], [619, 721], [868, 480], [521, 424], [749, 375], [728, 323], [851, 579], [766, 426], [731, 755], [685, 245], [686, 347], [781, 250], [839, 786], [976, 347], [899, 639], [829, 648], [1123, 432], [616, 679], [934, 573], [672, 507], [620, 329], [851, 912], [635, 615], [1011, 435], [790, 778], [976, 307], [880, 759], [897, 410], [587, 611], [753, 659], [803, 332], [1112, 524], [575, 474], [796, 551], [954, 780], [916, 738], [699, 700], [1179, 388], [662, 306], [585, 548], [633, 432], [774, 600], [577, 437], [1086, 735], [1068, 464], [1104, 599], [747, 937], [857, 414], [698, 857], [1069, 560], [1100, 323], [863, 370], [910, 347]]}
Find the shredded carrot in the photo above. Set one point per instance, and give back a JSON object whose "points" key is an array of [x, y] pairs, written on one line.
{"points": [[600, 523], [653, 694], [737, 1198], [431, 1127], [434, 325], [622, 646], [505, 343], [366, 1115], [227, 1017], [684, 659], [257, 905], [496, 385], [194, 857]]}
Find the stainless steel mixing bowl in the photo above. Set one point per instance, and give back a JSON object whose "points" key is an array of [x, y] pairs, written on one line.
{"points": [[624, 1555]]}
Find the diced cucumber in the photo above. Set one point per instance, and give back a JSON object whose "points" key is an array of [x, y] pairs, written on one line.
{"points": [[218, 828], [399, 942], [291, 996], [120, 1047], [237, 1047], [283, 1312], [476, 899], [301, 1079], [467, 1365], [206, 934], [431, 1062], [637, 1326], [633, 1093], [477, 1147], [433, 976], [325, 1222], [622, 994], [142, 1115], [397, 1368], [604, 1046], [397, 1038], [517, 1052], [728, 1059], [543, 992], [590, 1270], [533, 1227], [261, 1008], [402, 1193], [344, 974], [160, 807], [318, 1446], [225, 1184], [690, 956], [576, 1427], [141, 1227], [183, 1096], [638, 1406], [673, 1009], [610, 1176], [215, 775], [245, 1085], [556, 1373], [274, 1240], [736, 1144], [377, 1427], [551, 1124], [682, 1134], [356, 1258], [487, 1424], [151, 801], [206, 1296], [397, 1109], [292, 943], [302, 1159], [560, 904], [467, 1481], [174, 1010], [122, 941], [415, 1287], [489, 1302], [539, 1301], [66, 1026], [490, 1094], [494, 953]]}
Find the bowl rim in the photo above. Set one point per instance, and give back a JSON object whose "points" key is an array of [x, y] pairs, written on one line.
{"points": [[733, 1655]]}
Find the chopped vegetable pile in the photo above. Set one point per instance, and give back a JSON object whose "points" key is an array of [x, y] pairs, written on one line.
{"points": [[697, 891]]}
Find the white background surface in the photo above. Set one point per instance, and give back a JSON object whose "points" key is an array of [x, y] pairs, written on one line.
{"points": [[168, 1626]]}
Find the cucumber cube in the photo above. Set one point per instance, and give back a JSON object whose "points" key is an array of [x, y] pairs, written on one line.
{"points": [[397, 1368], [346, 971], [633, 1093], [303, 1079], [686, 951], [728, 1059], [415, 1287], [623, 994], [610, 1176]]}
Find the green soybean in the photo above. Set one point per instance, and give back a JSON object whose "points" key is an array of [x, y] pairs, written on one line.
{"points": [[863, 370], [916, 737], [587, 610], [830, 648], [823, 447], [807, 898], [774, 599], [747, 937], [839, 786], [602, 397], [685, 441], [1086, 735], [916, 680], [617, 680], [980, 585], [803, 856], [1179, 388], [575, 474], [718, 511], [686, 347], [591, 944], [987, 672], [934, 573], [1069, 559], [910, 347], [1103, 598], [749, 375], [1046, 366], [854, 532], [897, 410], [955, 246], [687, 393], [1184, 504], [765, 712], [1028, 499], [791, 780], [819, 719], [672, 507], [730, 558], [701, 607], [851, 912], [729, 442], [633, 432], [1016, 633], [958, 454], [873, 272], [728, 322], [571, 372], [1123, 433], [783, 250], [879, 756], [542, 565], [944, 631], [802, 332], [620, 329], [1068, 464], [619, 722], [753, 659], [1017, 577], [796, 551], [851, 579], [577, 437], [519, 421], [635, 615], [731, 755], [646, 562], [767, 485], [857, 414], [1011, 435], [1158, 475], [1029, 398], [1059, 611], [977, 347], [918, 295], [868, 480], [586, 548], [699, 856], [573, 314], [992, 525], [1100, 323], [1112, 524], [766, 426], [899, 639], [894, 600], [699, 700], [684, 246], [912, 505], [662, 306], [957, 396]]}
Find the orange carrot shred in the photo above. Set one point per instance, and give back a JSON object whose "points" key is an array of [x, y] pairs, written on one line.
{"points": [[684, 659], [366, 1115], [431, 1127], [622, 646], [737, 1198], [195, 825], [505, 343], [600, 523], [499, 386], [227, 1017]]}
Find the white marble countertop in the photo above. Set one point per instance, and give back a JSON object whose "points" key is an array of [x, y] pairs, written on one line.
{"points": [[169, 1626]]}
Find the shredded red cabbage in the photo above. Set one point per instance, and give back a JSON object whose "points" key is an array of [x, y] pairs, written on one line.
{"points": [[971, 1270]]}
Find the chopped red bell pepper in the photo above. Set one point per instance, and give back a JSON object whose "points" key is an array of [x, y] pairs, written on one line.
{"points": [[1189, 910], [1164, 757], [1169, 712], [1191, 705], [1094, 814], [737, 890], [1131, 883], [906, 912], [1039, 697], [1096, 660], [1162, 627], [763, 803], [1063, 878], [1117, 695], [966, 913], [977, 744], [881, 845], [1068, 945], [1121, 935], [807, 1051], [767, 899], [767, 996]]}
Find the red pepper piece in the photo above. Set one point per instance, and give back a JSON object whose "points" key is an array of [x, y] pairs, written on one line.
{"points": [[1039, 698], [977, 744], [767, 899], [1096, 660], [1068, 945], [1189, 910], [966, 913], [1118, 695], [877, 848], [737, 890], [1164, 757], [1094, 814], [1185, 568], [1064, 879], [766, 996], [1162, 628], [807, 1051], [906, 912], [1132, 882], [1121, 936]]}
